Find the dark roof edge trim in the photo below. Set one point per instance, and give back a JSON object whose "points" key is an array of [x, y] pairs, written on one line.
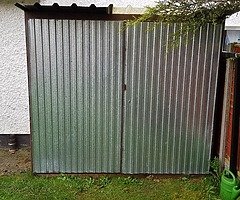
{"points": [[66, 9], [22, 7]]}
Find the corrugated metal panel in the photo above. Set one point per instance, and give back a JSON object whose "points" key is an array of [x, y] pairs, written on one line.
{"points": [[75, 94], [170, 99], [76, 75]]}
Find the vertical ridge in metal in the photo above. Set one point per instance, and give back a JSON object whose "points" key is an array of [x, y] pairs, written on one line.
{"points": [[75, 95], [170, 99], [76, 73]]}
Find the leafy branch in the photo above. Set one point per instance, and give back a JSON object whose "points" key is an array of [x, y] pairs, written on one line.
{"points": [[192, 14]]}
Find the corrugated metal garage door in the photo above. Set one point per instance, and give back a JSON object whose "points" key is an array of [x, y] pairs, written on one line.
{"points": [[75, 91], [83, 119], [170, 99]]}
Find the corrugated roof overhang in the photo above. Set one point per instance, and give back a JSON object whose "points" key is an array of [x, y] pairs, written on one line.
{"points": [[66, 9], [55, 11]]}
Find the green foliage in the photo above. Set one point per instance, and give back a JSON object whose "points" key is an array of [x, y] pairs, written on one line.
{"points": [[103, 182], [215, 166], [25, 186], [89, 182], [129, 180], [213, 181], [192, 14], [215, 172]]}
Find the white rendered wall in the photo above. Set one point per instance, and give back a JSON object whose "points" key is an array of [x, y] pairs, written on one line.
{"points": [[232, 25], [233, 22], [14, 114]]}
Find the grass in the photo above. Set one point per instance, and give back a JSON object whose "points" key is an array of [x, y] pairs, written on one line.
{"points": [[26, 186]]}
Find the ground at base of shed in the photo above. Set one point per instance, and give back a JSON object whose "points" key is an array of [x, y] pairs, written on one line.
{"points": [[17, 162]]}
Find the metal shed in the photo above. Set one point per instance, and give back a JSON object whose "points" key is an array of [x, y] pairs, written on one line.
{"points": [[107, 100]]}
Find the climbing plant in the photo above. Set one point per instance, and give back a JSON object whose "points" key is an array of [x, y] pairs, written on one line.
{"points": [[192, 14]]}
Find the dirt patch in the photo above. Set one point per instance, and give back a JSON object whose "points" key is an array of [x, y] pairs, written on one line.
{"points": [[20, 161]]}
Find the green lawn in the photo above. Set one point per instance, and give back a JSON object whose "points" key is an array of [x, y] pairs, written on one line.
{"points": [[25, 186]]}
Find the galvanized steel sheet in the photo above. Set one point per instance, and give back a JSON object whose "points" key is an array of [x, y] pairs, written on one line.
{"points": [[79, 122], [170, 99], [75, 94]]}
